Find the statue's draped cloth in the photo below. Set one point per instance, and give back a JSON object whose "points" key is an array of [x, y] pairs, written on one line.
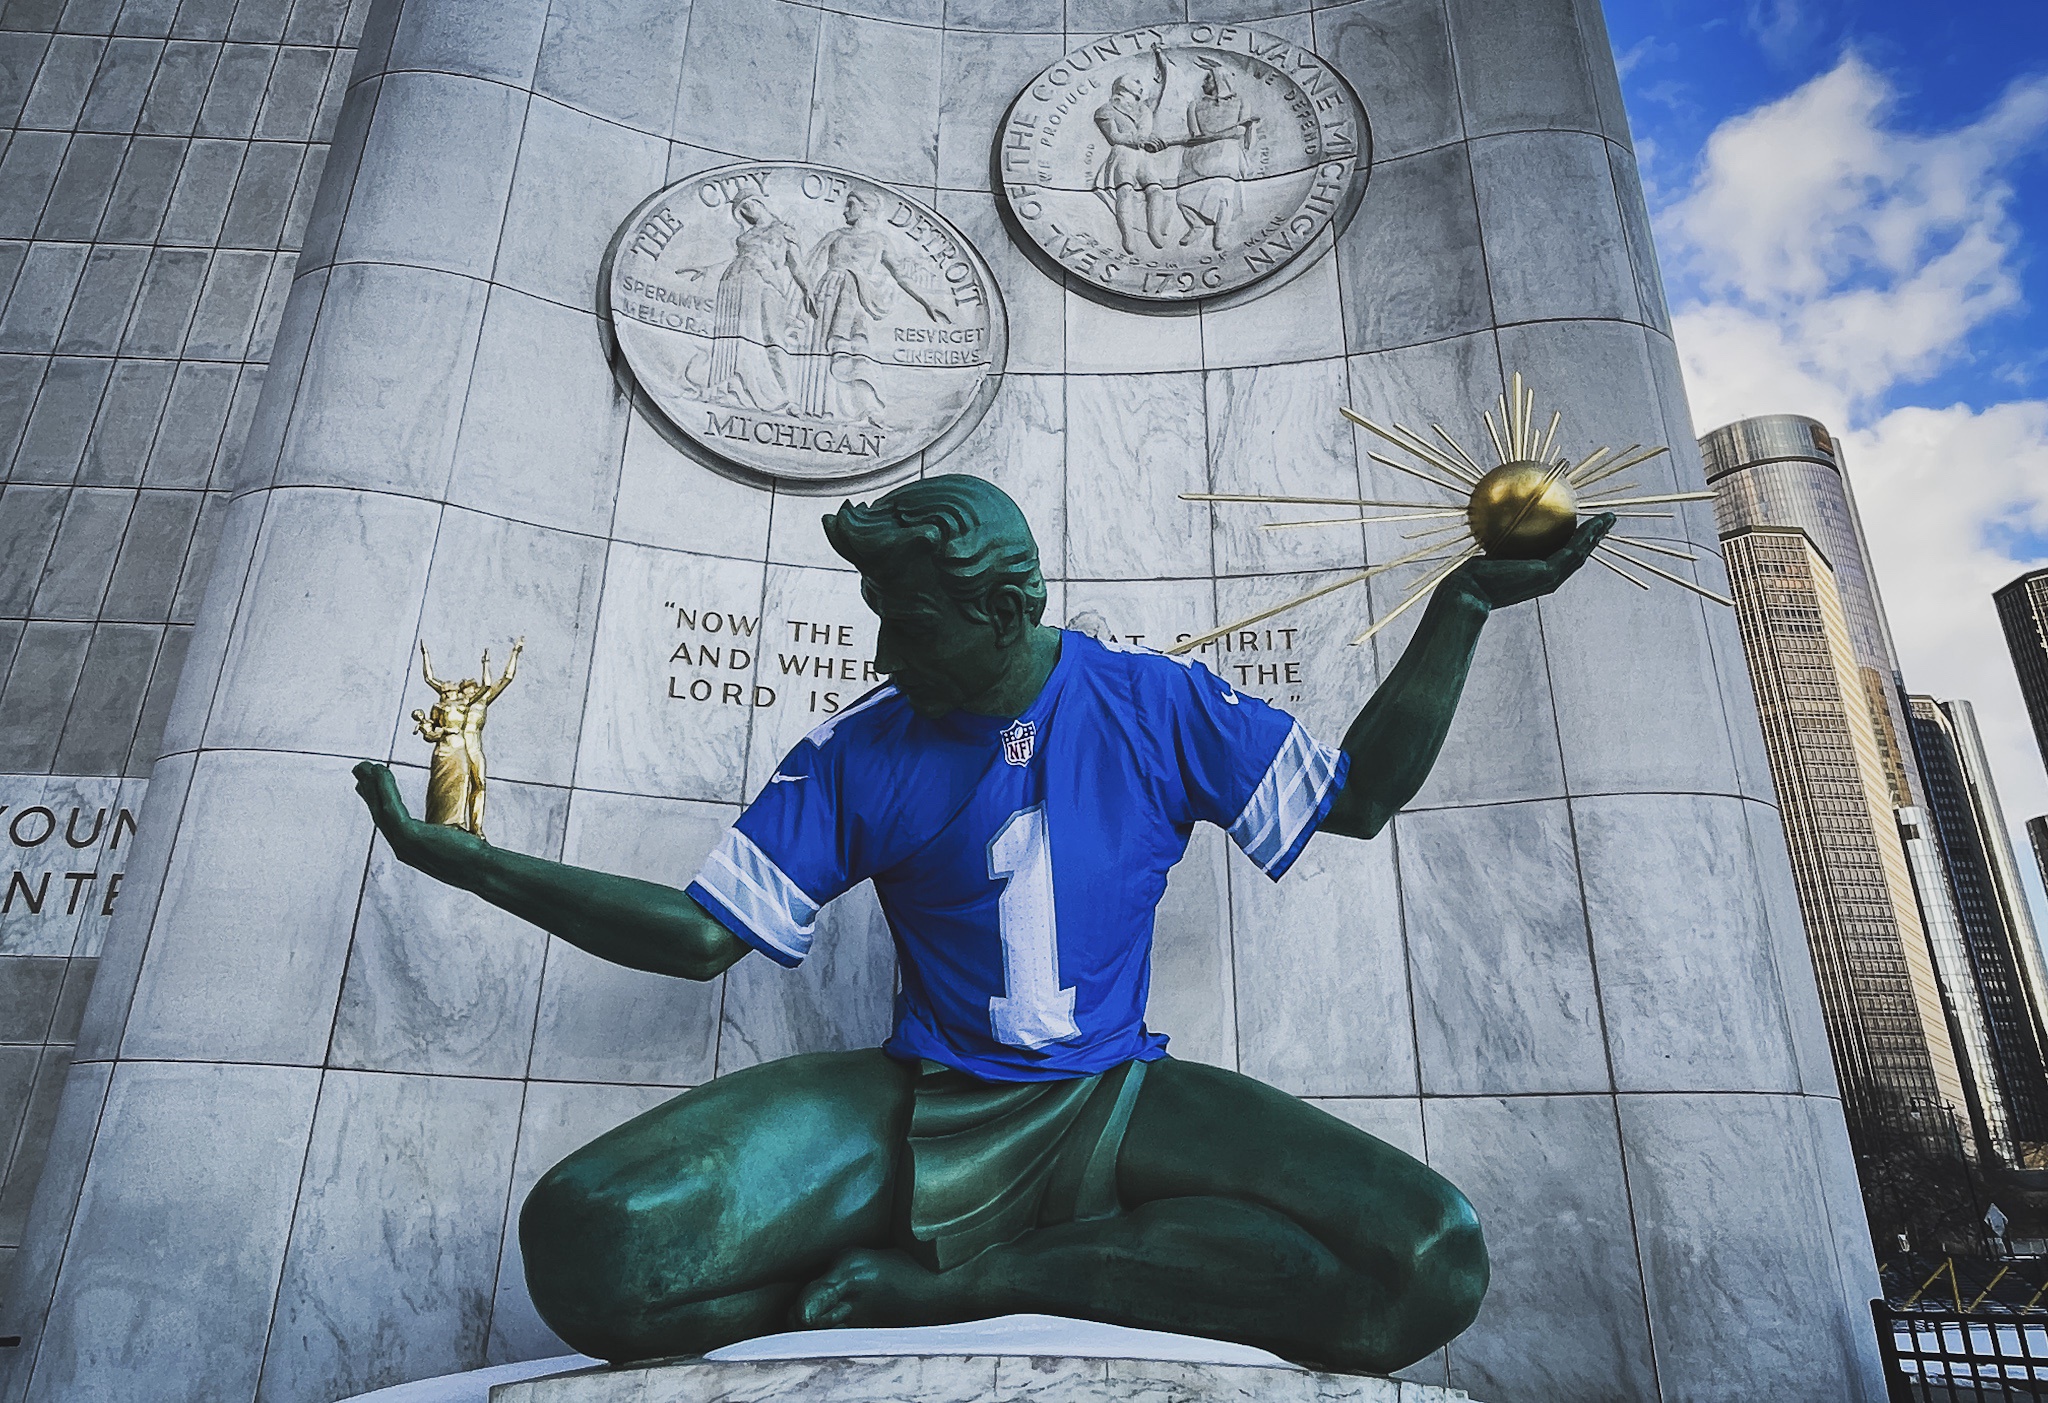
{"points": [[989, 1161]]}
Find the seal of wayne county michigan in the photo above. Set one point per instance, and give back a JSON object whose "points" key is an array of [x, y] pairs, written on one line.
{"points": [[1182, 162]]}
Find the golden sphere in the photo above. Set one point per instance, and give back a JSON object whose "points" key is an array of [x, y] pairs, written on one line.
{"points": [[1520, 512]]}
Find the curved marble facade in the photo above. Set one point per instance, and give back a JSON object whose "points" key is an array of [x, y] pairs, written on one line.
{"points": [[310, 1089]]}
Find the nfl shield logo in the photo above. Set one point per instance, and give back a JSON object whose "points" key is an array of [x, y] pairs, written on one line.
{"points": [[1017, 738]]}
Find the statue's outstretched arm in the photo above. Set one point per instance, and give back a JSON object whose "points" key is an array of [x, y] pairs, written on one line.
{"points": [[492, 690], [1397, 737], [427, 669], [642, 925]]}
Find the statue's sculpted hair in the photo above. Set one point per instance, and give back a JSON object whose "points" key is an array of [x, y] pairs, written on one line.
{"points": [[969, 529]]}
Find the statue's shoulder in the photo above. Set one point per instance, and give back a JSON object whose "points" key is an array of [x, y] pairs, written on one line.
{"points": [[1150, 683], [1134, 659], [868, 719]]}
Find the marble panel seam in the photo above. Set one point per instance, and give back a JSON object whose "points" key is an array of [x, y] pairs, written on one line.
{"points": [[1589, 318], [1472, 185], [1585, 919], [440, 501], [1403, 1096], [305, 1161], [398, 720], [506, 1226], [1628, 1198], [40, 1312], [213, 686], [488, 282], [1569, 793]]}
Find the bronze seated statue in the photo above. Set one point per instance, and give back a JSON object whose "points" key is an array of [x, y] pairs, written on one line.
{"points": [[1016, 792]]}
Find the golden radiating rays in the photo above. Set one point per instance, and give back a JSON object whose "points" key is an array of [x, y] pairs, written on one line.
{"points": [[1524, 507]]}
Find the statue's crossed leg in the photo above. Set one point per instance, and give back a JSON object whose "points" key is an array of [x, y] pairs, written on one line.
{"points": [[766, 1199]]}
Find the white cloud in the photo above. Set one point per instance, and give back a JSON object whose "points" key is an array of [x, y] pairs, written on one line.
{"points": [[1831, 254], [1824, 260], [1931, 484], [1783, 28]]}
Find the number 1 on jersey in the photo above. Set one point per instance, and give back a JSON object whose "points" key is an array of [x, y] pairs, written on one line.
{"points": [[1032, 1010]]}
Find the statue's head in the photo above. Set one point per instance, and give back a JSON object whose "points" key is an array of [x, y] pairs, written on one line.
{"points": [[950, 569], [859, 205], [1128, 87], [750, 209]]}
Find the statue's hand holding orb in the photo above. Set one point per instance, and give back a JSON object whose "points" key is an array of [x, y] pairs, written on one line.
{"points": [[1498, 580], [1525, 518]]}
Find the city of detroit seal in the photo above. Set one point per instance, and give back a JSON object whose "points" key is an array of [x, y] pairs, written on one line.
{"points": [[804, 324], [1182, 162]]}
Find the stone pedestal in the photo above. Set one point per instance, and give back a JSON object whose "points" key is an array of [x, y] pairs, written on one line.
{"points": [[1042, 1357], [979, 1378]]}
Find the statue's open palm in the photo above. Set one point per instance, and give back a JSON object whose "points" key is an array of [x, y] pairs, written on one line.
{"points": [[1498, 582], [437, 849]]}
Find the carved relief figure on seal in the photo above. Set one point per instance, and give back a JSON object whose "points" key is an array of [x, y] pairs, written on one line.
{"points": [[759, 295], [1023, 1141], [849, 295], [803, 323], [1132, 178], [1218, 142], [1215, 155]]}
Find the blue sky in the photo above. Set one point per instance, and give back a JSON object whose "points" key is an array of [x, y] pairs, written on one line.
{"points": [[1851, 202], [1689, 65]]}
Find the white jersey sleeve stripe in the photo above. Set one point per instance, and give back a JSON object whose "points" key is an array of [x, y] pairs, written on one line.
{"points": [[822, 732], [754, 889], [1287, 800]]}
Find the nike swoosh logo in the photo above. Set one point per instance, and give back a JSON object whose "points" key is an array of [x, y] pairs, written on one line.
{"points": [[780, 778]]}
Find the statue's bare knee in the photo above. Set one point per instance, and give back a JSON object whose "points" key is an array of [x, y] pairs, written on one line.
{"points": [[595, 1271], [1442, 1279]]}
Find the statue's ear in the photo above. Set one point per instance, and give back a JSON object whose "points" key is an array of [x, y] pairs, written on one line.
{"points": [[1010, 611]]}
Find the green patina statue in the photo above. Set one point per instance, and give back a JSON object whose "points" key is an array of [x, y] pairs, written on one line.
{"points": [[1017, 793]]}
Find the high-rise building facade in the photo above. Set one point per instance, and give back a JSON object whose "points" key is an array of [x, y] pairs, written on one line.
{"points": [[1887, 1027], [1785, 471], [2037, 839], [158, 166], [2023, 612], [1990, 1116], [1997, 927]]}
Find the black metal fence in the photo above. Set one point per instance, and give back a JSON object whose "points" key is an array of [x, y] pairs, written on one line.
{"points": [[1936, 1354]]}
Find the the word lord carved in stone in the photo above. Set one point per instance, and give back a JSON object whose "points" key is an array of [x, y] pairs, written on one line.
{"points": [[728, 657], [1183, 161], [805, 323]]}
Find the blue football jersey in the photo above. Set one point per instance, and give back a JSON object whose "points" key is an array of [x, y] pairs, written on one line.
{"points": [[1019, 862]]}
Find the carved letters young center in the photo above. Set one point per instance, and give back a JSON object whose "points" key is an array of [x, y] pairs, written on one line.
{"points": [[66, 840]]}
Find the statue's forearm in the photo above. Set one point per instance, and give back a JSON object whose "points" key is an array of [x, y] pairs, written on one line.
{"points": [[642, 925], [1396, 738]]}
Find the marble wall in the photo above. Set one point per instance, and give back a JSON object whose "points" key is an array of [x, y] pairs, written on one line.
{"points": [[1572, 976], [158, 161]]}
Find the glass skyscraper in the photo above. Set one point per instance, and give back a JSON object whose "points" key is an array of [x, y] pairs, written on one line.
{"points": [[1786, 470], [1888, 1029], [2037, 838], [2023, 611], [1782, 473], [2004, 952]]}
